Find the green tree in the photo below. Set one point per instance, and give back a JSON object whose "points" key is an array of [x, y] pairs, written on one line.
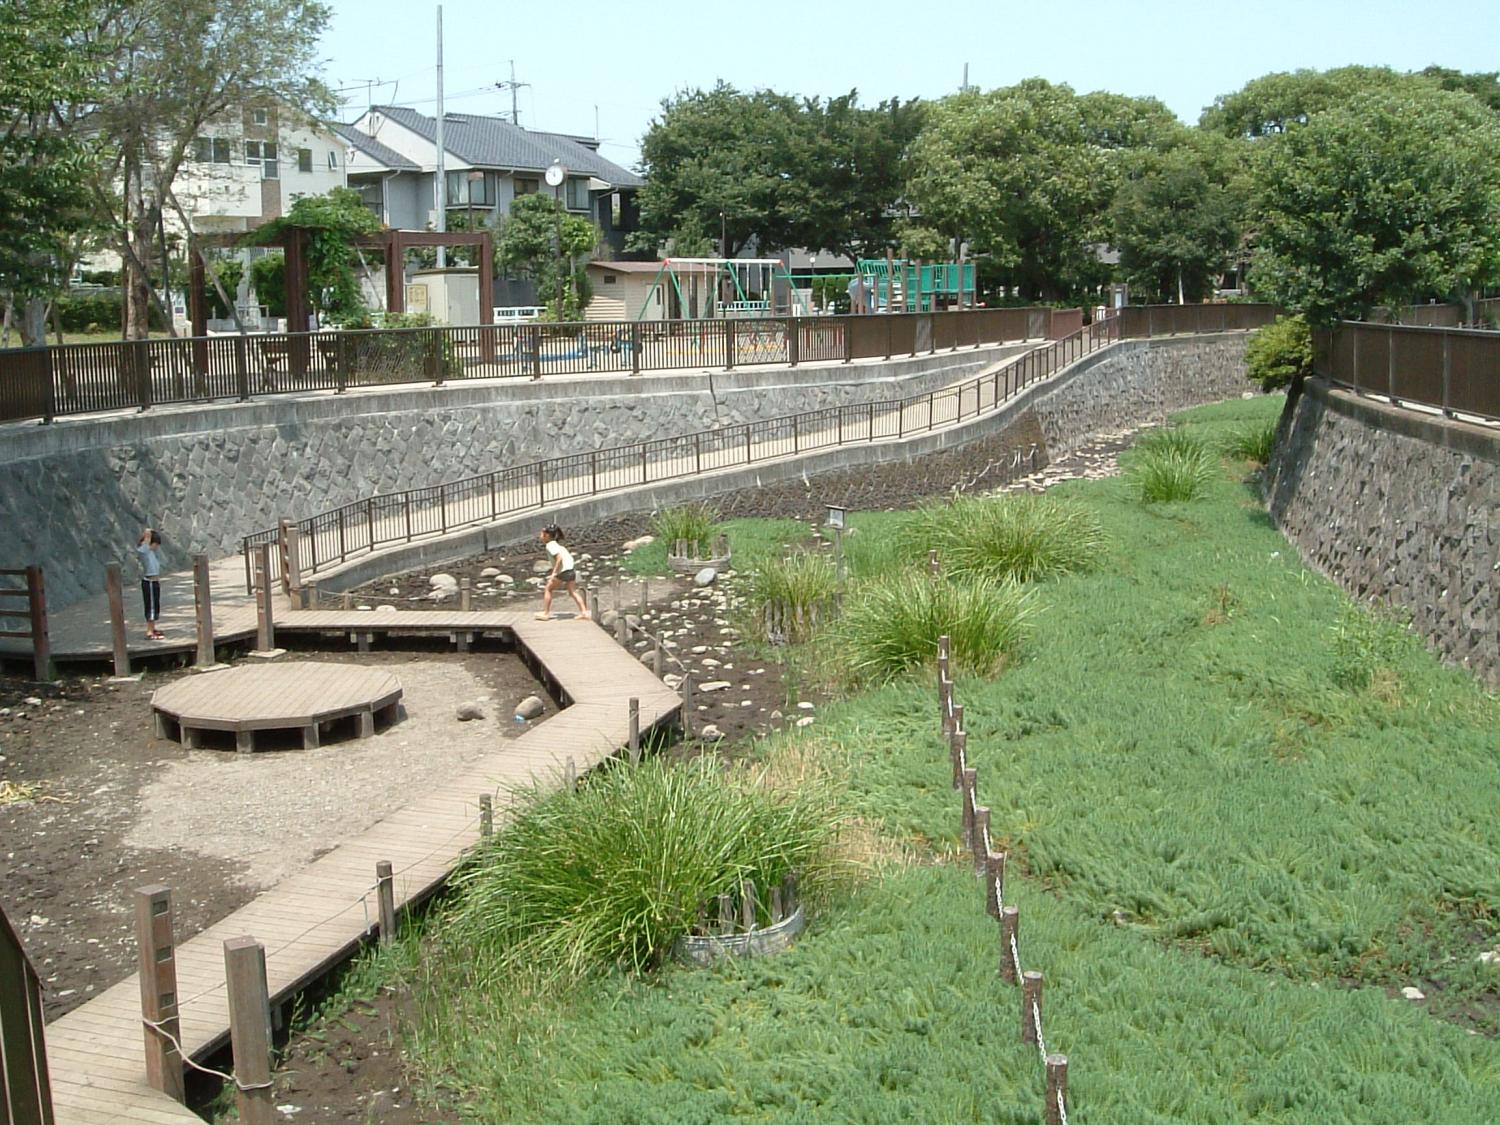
{"points": [[332, 222], [1389, 198], [1179, 214], [1272, 104], [552, 247], [44, 66], [1025, 174], [268, 276]]}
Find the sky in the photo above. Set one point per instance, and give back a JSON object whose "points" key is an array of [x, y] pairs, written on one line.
{"points": [[613, 63]]}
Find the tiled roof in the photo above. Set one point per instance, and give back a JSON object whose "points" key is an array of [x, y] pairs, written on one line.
{"points": [[376, 151], [492, 142]]}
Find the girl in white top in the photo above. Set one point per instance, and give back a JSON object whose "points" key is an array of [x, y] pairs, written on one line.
{"points": [[562, 574]]}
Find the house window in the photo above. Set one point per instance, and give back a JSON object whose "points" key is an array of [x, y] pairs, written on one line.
{"points": [[527, 187], [304, 160], [609, 279], [262, 155], [333, 160], [212, 150], [478, 192], [578, 194], [259, 116]]}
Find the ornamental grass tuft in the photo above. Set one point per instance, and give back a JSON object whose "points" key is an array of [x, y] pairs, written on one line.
{"points": [[1021, 538], [790, 595], [692, 522], [1170, 465]]}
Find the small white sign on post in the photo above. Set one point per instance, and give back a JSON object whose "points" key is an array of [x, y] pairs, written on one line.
{"points": [[835, 517]]}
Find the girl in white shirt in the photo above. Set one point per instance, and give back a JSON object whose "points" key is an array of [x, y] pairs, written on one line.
{"points": [[562, 574]]}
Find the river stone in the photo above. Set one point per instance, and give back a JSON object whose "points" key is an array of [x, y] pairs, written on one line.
{"points": [[438, 581], [711, 731], [714, 685], [541, 566], [490, 572], [632, 544], [385, 609], [705, 577], [469, 711], [530, 708]]}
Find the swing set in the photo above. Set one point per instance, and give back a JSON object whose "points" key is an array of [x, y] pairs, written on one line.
{"points": [[706, 288]]}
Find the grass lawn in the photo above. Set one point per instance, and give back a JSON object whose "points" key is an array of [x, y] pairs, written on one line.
{"points": [[1242, 815]]}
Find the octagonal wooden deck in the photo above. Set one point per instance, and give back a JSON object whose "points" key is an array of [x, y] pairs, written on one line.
{"points": [[316, 918]]}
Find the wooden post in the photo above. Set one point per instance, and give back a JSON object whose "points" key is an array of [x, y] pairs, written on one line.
{"points": [[112, 587], [250, 1029], [203, 610], [291, 579], [385, 890], [265, 628], [747, 904], [635, 731], [656, 660], [622, 628], [1031, 998], [465, 595], [687, 705], [776, 906], [789, 892], [969, 777], [945, 703], [570, 775], [960, 757], [1057, 1090], [994, 883], [645, 594], [594, 605], [486, 815], [41, 644], [157, 956], [980, 843], [1010, 929], [726, 914], [933, 566]]}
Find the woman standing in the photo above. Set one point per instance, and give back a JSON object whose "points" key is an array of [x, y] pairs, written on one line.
{"points": [[146, 547]]}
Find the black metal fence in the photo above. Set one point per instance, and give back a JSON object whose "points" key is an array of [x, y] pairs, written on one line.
{"points": [[1453, 370]]}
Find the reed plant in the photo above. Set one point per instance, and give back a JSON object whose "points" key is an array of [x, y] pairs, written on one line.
{"points": [[791, 595], [690, 522], [1255, 444], [1021, 538], [1171, 466]]}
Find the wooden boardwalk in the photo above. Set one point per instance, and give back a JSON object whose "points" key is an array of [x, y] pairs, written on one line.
{"points": [[316, 918]]}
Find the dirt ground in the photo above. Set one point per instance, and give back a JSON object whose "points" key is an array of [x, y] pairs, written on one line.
{"points": [[93, 806]]}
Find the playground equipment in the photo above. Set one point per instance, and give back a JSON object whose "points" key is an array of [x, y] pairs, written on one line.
{"points": [[897, 285], [704, 288]]}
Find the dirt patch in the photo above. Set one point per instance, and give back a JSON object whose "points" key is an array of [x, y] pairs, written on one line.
{"points": [[99, 806]]}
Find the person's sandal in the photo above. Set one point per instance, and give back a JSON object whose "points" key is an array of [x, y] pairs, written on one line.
{"points": [[542, 616]]}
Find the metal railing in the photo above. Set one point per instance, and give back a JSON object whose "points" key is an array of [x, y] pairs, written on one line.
{"points": [[52, 382], [333, 537], [1453, 370]]}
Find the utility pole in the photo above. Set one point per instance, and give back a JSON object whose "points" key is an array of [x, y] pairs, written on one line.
{"points": [[512, 86], [440, 176]]}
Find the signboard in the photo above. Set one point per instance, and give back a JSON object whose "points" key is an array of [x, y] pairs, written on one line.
{"points": [[416, 298]]}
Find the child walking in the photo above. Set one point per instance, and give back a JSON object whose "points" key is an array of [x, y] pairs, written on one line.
{"points": [[562, 574], [146, 547]]}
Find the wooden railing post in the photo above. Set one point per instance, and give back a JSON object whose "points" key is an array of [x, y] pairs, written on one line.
{"points": [[1010, 930], [157, 961], [1031, 1004], [41, 642], [385, 893], [203, 609], [112, 588], [486, 815], [793, 342], [979, 845], [994, 883], [687, 705], [1054, 1112], [635, 731], [249, 1029], [465, 595], [265, 627]]}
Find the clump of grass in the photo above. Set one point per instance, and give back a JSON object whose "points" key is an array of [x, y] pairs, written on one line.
{"points": [[790, 594], [1367, 650], [692, 522], [611, 875], [1019, 538], [1254, 445], [892, 625], [1171, 466]]}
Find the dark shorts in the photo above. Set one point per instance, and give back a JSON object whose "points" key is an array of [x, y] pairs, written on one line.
{"points": [[566, 576]]}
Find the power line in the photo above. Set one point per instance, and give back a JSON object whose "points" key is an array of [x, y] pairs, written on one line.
{"points": [[512, 86]]}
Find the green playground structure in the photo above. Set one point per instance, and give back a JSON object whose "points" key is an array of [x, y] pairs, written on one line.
{"points": [[703, 288], [897, 285]]}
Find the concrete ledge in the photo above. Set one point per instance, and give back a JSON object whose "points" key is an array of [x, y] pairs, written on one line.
{"points": [[1467, 438]]}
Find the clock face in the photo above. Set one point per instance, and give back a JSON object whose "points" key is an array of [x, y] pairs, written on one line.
{"points": [[555, 175]]}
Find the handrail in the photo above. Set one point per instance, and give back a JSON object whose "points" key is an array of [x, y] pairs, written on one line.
{"points": [[1453, 370], [363, 526]]}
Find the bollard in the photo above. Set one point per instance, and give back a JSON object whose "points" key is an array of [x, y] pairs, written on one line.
{"points": [[980, 844], [310, 593], [1031, 1005], [635, 731], [203, 611], [465, 595], [249, 1029], [994, 883], [776, 906], [385, 890], [1055, 1111], [486, 816], [112, 587], [1010, 930], [157, 956]]}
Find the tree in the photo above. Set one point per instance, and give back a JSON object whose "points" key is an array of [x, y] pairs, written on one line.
{"points": [[1179, 214], [1272, 104], [551, 247], [331, 223], [1387, 199], [43, 66], [1025, 175], [170, 69]]}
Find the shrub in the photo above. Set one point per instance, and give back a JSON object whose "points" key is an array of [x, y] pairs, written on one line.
{"points": [[1279, 351], [693, 522], [614, 873], [1023, 537], [892, 625], [789, 595], [1367, 648], [1162, 476], [1254, 445]]}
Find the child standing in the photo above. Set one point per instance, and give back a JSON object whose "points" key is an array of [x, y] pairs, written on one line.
{"points": [[562, 574], [146, 547]]}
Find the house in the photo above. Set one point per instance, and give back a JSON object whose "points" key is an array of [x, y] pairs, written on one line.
{"points": [[488, 162], [626, 291]]}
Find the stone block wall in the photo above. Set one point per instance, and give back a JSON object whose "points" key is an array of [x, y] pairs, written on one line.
{"points": [[1399, 507]]}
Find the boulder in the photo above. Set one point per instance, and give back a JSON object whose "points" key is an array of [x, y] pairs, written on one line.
{"points": [[467, 712], [530, 708], [490, 572], [505, 580], [705, 577], [541, 566], [438, 581], [712, 731]]}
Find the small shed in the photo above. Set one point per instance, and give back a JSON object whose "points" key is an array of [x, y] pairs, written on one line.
{"points": [[623, 289]]}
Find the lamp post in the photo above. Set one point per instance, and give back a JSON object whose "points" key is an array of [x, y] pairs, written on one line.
{"points": [[812, 279], [555, 175]]}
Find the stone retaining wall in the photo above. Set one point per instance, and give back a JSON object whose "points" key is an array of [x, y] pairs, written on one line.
{"points": [[1399, 507]]}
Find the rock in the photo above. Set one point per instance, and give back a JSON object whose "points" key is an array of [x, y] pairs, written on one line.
{"points": [[490, 572], [712, 731], [505, 580], [442, 593], [395, 591], [714, 685], [710, 662], [438, 581], [530, 708], [1489, 957], [672, 680], [805, 721], [32, 701], [385, 609], [632, 544], [705, 577], [700, 649], [647, 657], [469, 711], [804, 705], [777, 716], [607, 619], [541, 566], [365, 608], [1413, 993]]}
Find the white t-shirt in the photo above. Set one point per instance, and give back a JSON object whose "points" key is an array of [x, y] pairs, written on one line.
{"points": [[558, 551]]}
